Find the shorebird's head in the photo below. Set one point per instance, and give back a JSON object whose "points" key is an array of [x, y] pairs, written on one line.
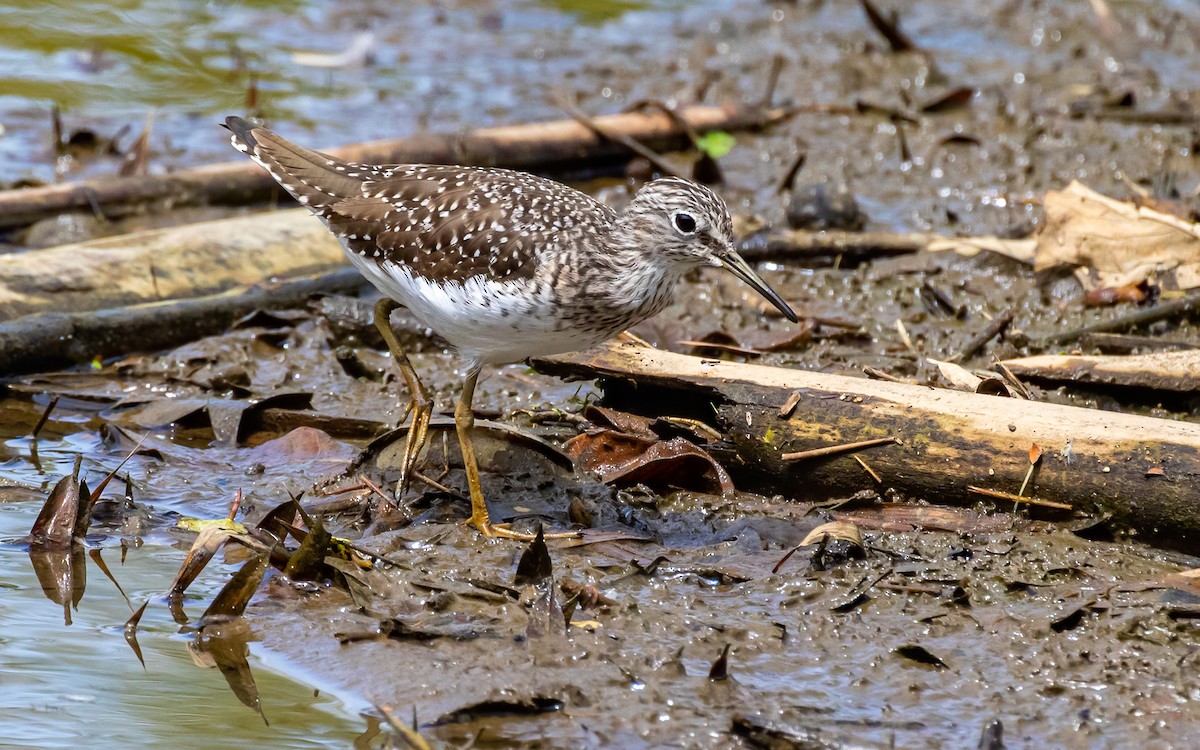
{"points": [[688, 224]]}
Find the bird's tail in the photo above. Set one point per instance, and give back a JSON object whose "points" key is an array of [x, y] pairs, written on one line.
{"points": [[314, 179]]}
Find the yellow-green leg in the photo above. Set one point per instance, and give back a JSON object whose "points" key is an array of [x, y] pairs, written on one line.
{"points": [[464, 422], [421, 404]]}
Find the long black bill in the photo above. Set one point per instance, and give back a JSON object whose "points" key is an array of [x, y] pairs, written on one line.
{"points": [[740, 268]]}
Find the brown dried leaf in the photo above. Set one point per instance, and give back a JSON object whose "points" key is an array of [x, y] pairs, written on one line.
{"points": [[1035, 453], [951, 100], [55, 524], [602, 451], [1114, 243], [232, 599], [959, 377], [675, 462], [621, 421], [206, 544], [535, 566], [1134, 291], [921, 655]]}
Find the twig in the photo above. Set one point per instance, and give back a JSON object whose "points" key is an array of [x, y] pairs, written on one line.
{"points": [[866, 468], [790, 405], [876, 374], [837, 450], [589, 122], [995, 328], [1180, 307], [1000, 495], [45, 416], [379, 491]]}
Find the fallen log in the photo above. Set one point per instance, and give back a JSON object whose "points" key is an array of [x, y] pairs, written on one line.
{"points": [[548, 148], [162, 264], [1177, 372], [1141, 473], [51, 340]]}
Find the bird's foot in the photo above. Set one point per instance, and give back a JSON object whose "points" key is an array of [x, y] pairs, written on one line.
{"points": [[493, 530], [415, 440]]}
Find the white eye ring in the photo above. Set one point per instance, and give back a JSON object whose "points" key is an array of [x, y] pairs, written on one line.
{"points": [[684, 223]]}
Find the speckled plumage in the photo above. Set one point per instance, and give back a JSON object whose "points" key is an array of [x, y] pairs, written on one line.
{"points": [[506, 265]]}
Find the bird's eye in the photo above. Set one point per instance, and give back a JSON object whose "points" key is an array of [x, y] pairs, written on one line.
{"points": [[685, 223]]}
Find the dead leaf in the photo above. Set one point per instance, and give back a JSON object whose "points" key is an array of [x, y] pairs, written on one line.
{"points": [[675, 462], [535, 567], [600, 451], [843, 530], [621, 421], [303, 444], [951, 100], [1113, 243], [55, 524], [958, 376], [1135, 292]]}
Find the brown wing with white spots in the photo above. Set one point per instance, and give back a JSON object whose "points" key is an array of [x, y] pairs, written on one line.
{"points": [[444, 223], [453, 223]]}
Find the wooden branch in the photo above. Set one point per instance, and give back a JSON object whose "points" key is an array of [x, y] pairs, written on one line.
{"points": [[1141, 471], [1177, 371], [542, 147], [828, 248], [1186, 306]]}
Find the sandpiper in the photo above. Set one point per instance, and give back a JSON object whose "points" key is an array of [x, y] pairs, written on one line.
{"points": [[504, 265]]}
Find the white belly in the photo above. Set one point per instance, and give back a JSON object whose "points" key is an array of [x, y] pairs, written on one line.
{"points": [[489, 322]]}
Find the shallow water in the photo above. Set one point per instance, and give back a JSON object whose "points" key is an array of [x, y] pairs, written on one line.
{"points": [[67, 676]]}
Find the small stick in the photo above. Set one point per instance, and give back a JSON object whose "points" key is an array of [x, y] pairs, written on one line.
{"points": [[777, 63], [837, 450], [904, 337], [437, 485], [1013, 381], [237, 503], [877, 374], [790, 405], [1188, 304], [376, 489], [45, 416], [586, 120], [695, 425], [866, 468], [1035, 457], [633, 338], [995, 328], [327, 491], [999, 495]]}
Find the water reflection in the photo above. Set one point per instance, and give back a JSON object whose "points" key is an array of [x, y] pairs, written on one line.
{"points": [[62, 573], [225, 645]]}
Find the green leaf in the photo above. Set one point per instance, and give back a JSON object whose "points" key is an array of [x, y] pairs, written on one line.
{"points": [[716, 143]]}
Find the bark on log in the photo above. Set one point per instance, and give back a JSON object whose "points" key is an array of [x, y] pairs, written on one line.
{"points": [[543, 147], [161, 264], [1143, 472], [51, 340]]}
